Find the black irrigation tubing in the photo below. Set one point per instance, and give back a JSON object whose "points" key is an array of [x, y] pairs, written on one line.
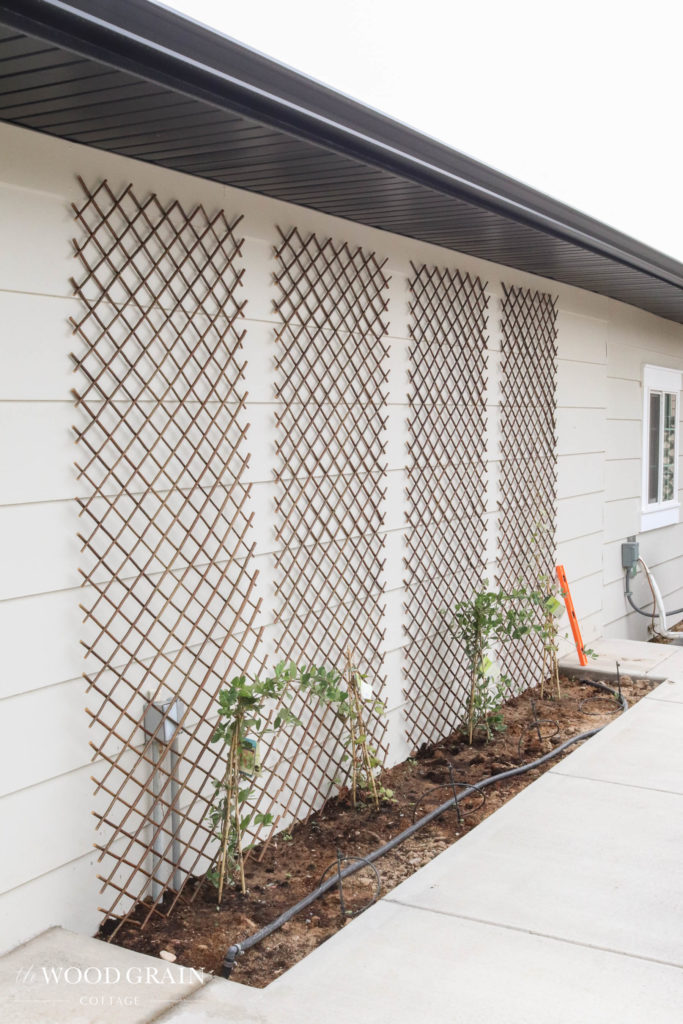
{"points": [[335, 881], [613, 701], [452, 785], [360, 861], [536, 727]]}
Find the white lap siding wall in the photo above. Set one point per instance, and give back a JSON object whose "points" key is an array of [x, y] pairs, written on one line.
{"points": [[48, 865], [635, 339]]}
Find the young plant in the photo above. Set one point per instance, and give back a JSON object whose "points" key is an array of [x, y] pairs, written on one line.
{"points": [[489, 697], [361, 752], [242, 713], [547, 596], [550, 601], [350, 697], [489, 618], [551, 610]]}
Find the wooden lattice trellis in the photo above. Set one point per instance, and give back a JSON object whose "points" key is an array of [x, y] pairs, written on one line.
{"points": [[330, 377], [169, 604], [528, 467], [446, 537]]}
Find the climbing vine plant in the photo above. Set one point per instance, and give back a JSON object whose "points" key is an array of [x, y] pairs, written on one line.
{"points": [[243, 707], [481, 623]]}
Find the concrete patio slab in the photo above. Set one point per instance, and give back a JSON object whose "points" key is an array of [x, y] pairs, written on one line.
{"points": [[224, 1002], [60, 976], [436, 969], [564, 905], [669, 690], [643, 748], [397, 964], [672, 666], [575, 859], [636, 658]]}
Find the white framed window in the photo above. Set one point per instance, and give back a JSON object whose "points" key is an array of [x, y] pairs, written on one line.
{"points": [[661, 401]]}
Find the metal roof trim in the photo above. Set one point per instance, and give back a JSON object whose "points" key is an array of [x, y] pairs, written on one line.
{"points": [[269, 92]]}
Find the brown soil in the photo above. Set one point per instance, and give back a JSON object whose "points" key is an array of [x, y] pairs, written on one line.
{"points": [[292, 864], [676, 628]]}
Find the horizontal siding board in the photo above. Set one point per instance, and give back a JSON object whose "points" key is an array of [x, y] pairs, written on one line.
{"points": [[39, 551], [581, 431], [581, 557], [37, 341], [627, 360], [581, 338], [37, 452], [67, 896], [580, 474], [624, 438], [43, 734], [611, 561], [615, 605], [622, 518], [39, 640], [48, 827], [623, 478], [579, 517], [39, 261], [586, 595], [624, 399], [581, 384], [656, 548]]}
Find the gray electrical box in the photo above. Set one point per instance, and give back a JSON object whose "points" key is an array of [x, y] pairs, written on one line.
{"points": [[629, 555], [162, 719]]}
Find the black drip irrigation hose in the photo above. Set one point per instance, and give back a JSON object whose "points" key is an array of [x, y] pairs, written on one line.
{"points": [[335, 881], [360, 861]]}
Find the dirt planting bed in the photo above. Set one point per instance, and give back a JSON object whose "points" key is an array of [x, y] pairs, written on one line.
{"points": [[198, 934]]}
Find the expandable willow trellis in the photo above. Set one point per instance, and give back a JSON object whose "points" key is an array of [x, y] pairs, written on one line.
{"points": [[446, 537], [331, 371], [169, 597], [528, 468]]}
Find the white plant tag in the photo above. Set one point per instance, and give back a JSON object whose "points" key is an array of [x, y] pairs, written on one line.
{"points": [[365, 690]]}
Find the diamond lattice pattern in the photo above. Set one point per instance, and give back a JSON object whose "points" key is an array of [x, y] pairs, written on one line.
{"points": [[528, 468], [446, 537], [169, 601], [331, 370]]}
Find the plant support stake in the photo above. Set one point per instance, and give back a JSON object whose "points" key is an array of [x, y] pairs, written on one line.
{"points": [[338, 875], [573, 621]]}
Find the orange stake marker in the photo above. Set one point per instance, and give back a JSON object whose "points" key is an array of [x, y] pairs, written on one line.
{"points": [[573, 621]]}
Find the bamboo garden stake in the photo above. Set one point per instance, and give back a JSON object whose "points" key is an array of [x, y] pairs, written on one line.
{"points": [[363, 760]]}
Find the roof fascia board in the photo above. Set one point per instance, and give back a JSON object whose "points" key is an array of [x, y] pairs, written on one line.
{"points": [[269, 92]]}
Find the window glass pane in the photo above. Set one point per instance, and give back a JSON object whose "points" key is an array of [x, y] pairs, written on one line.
{"points": [[669, 411], [654, 447], [669, 447]]}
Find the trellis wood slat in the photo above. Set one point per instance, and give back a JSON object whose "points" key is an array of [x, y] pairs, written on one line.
{"points": [[169, 605], [446, 492], [331, 374], [528, 471]]}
